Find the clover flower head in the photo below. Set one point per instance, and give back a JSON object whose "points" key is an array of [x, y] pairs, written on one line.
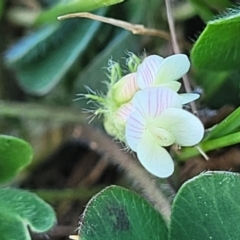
{"points": [[157, 120]]}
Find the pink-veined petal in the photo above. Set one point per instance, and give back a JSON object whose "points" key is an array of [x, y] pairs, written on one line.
{"points": [[124, 111], [135, 126], [172, 68], [125, 88], [150, 102], [147, 71], [188, 97], [153, 157], [187, 129]]}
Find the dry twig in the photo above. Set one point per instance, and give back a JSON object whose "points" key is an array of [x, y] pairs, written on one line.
{"points": [[134, 28], [176, 49]]}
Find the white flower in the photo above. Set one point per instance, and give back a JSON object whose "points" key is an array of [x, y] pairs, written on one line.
{"points": [[157, 120], [158, 71], [155, 71]]}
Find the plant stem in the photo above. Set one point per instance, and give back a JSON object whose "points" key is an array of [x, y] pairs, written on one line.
{"points": [[208, 145], [67, 194], [40, 112], [176, 50], [142, 179]]}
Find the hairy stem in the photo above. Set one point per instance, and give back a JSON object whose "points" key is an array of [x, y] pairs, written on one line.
{"points": [[146, 182], [41, 112]]}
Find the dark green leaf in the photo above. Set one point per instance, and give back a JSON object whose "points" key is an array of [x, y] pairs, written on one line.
{"points": [[227, 126], [207, 207], [39, 72], [218, 47], [117, 213], [36, 45], [211, 82]]}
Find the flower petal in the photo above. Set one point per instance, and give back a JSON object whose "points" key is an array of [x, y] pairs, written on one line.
{"points": [[174, 85], [188, 97], [187, 129], [154, 158], [172, 68], [163, 137], [147, 71], [125, 88], [134, 128], [150, 102], [124, 111]]}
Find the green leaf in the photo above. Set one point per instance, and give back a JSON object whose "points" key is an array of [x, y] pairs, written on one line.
{"points": [[207, 8], [218, 47], [230, 124], [15, 154], [35, 45], [211, 82], [72, 6], [21, 209], [219, 83], [55, 54], [202, 9], [207, 207], [117, 213], [208, 145]]}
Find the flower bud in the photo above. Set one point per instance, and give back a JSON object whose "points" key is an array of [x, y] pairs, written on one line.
{"points": [[124, 89], [133, 62], [115, 123]]}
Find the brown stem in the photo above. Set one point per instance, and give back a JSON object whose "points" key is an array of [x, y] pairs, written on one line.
{"points": [[134, 28], [176, 50], [146, 182]]}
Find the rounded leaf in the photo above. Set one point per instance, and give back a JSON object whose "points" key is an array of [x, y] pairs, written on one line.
{"points": [[20, 210], [15, 154], [207, 207], [218, 46], [117, 213]]}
